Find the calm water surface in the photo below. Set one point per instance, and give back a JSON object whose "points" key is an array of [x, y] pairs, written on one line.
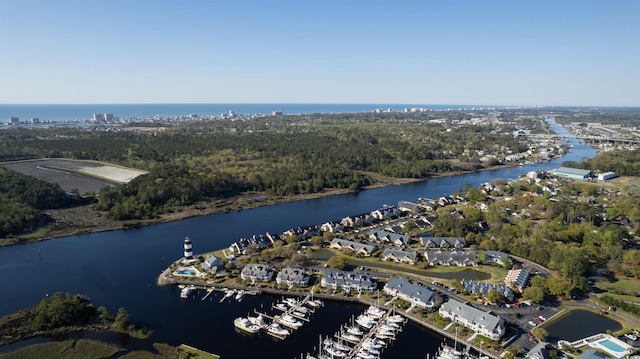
{"points": [[580, 324], [119, 269]]}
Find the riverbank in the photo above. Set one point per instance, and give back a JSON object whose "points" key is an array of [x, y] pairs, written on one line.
{"points": [[87, 219]]}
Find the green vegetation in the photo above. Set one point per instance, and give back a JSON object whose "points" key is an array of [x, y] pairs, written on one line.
{"points": [[23, 199], [613, 302], [281, 156], [68, 349], [60, 313]]}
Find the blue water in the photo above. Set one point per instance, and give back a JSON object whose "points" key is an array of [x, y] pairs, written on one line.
{"points": [[119, 269], [85, 112]]}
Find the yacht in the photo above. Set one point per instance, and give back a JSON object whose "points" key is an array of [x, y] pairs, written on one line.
{"points": [[186, 292], [283, 307], [447, 352], [259, 321], [375, 312], [290, 321], [350, 337], [244, 324], [292, 302], [335, 352], [370, 348], [395, 318], [355, 330], [363, 354], [240, 295], [275, 328], [315, 303], [337, 345]]}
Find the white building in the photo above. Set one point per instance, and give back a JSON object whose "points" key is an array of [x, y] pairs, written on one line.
{"points": [[483, 323]]}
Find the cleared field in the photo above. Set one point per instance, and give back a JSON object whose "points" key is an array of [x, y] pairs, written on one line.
{"points": [[85, 176]]}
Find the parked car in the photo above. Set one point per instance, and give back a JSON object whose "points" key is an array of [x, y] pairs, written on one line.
{"points": [[531, 323]]}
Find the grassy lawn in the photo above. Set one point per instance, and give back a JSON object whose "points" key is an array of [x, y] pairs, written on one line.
{"points": [[626, 284], [196, 353], [68, 349]]}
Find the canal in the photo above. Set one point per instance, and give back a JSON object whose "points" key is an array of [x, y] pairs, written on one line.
{"points": [[119, 269]]}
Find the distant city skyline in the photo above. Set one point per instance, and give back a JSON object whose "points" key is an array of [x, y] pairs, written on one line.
{"points": [[504, 53]]}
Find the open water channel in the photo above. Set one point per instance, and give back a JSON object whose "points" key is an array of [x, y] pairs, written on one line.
{"points": [[119, 269]]}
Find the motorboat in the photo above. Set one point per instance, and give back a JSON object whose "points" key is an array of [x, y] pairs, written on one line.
{"points": [[315, 303], [335, 352], [244, 324], [391, 325], [283, 307], [228, 294], [375, 312], [337, 345], [350, 337], [447, 352], [355, 330], [275, 328], [292, 302], [240, 295], [397, 318], [364, 354], [373, 343], [259, 321], [290, 321], [186, 292], [369, 348]]}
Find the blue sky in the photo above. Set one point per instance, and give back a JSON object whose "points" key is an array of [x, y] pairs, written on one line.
{"points": [[512, 52]]}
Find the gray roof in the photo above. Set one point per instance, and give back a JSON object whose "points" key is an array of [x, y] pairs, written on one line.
{"points": [[471, 314], [409, 289], [343, 243], [444, 242], [572, 171], [594, 354], [484, 288], [391, 237], [450, 258], [399, 254], [292, 275], [348, 280]]}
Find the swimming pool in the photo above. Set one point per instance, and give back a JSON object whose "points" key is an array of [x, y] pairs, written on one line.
{"points": [[186, 272], [612, 346]]}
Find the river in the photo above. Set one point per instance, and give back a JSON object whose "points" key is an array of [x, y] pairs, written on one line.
{"points": [[119, 269]]}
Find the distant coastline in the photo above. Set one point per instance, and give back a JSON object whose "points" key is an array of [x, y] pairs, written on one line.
{"points": [[56, 113]]}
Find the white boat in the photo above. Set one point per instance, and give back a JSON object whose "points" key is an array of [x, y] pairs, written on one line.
{"points": [[391, 324], [369, 348], [337, 345], [335, 352], [373, 343], [355, 330], [228, 294], [363, 354], [292, 302], [283, 307], [244, 324], [375, 312], [315, 303], [186, 292], [395, 318], [350, 337], [275, 328], [240, 295], [259, 321], [290, 321], [447, 352]]}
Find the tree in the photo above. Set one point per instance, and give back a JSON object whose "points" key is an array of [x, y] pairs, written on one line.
{"points": [[534, 294], [122, 318], [104, 315], [338, 262], [495, 297]]}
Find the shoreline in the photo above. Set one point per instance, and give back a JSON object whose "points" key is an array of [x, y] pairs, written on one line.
{"points": [[85, 219]]}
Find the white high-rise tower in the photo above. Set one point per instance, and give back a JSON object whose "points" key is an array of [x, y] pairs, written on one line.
{"points": [[188, 249]]}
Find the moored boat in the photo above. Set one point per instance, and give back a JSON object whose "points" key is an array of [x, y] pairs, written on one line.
{"points": [[246, 325], [186, 292]]}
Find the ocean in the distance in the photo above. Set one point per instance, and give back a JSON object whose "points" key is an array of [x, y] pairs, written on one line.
{"points": [[85, 112]]}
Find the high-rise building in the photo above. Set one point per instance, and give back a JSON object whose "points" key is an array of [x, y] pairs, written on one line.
{"points": [[35, 120], [108, 117], [98, 117], [14, 120]]}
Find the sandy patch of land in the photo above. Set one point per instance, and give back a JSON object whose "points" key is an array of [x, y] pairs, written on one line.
{"points": [[111, 173]]}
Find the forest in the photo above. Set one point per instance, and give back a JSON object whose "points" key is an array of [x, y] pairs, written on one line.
{"points": [[281, 156]]}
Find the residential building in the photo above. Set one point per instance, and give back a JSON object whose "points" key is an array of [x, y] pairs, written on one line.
{"points": [[293, 276], [398, 255], [443, 242], [414, 294], [517, 278], [483, 289], [542, 350], [452, 258], [257, 272], [210, 263], [498, 258], [356, 247], [348, 281], [483, 323], [389, 237]]}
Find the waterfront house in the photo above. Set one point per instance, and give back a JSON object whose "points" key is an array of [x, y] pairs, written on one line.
{"points": [[480, 288], [302, 233], [443, 242], [481, 322], [541, 350], [260, 242], [414, 294], [293, 276], [398, 255], [211, 263], [348, 281], [257, 272], [386, 213], [517, 278], [452, 258], [388, 237], [333, 227], [358, 248]]}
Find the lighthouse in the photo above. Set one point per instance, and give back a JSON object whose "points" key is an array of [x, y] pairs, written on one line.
{"points": [[188, 249]]}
